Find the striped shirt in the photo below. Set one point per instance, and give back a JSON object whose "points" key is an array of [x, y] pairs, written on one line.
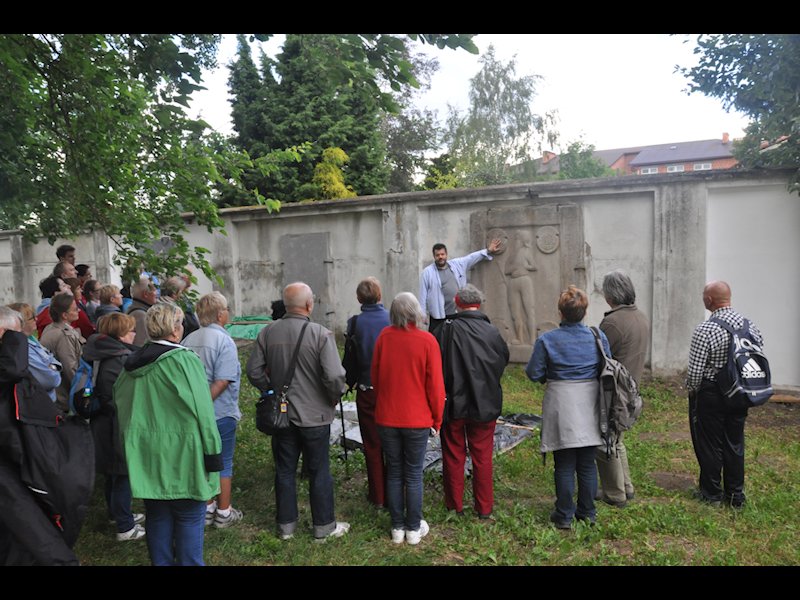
{"points": [[708, 351]]}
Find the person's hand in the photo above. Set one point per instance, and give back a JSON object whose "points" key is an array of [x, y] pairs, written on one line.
{"points": [[434, 432], [494, 246]]}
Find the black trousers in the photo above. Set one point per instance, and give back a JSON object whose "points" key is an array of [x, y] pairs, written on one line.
{"points": [[717, 428]]}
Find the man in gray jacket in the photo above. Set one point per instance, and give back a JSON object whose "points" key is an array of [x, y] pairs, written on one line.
{"points": [[315, 389]]}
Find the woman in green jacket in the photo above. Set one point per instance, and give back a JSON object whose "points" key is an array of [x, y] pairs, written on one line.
{"points": [[170, 436]]}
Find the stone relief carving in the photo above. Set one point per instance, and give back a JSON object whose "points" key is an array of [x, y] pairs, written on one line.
{"points": [[521, 300], [542, 252]]}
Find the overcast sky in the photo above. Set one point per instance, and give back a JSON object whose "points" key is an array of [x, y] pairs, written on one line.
{"points": [[613, 90]]}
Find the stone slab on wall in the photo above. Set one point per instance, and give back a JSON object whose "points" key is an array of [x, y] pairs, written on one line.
{"points": [[541, 253]]}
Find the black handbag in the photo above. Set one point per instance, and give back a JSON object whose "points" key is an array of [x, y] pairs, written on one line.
{"points": [[272, 410]]}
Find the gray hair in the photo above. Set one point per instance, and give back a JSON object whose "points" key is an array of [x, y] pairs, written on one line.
{"points": [[209, 307], [10, 319], [141, 287], [173, 286], [469, 294], [405, 310], [618, 288], [161, 320]]}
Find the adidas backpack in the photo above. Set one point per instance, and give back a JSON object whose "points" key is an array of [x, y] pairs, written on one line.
{"points": [[746, 374]]}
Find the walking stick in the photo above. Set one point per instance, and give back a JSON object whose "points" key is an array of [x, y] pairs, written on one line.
{"points": [[344, 441]]}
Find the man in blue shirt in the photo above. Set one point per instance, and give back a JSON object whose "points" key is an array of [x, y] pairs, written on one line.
{"points": [[440, 281], [217, 350]]}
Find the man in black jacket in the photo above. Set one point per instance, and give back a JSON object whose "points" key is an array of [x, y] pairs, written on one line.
{"points": [[474, 356]]}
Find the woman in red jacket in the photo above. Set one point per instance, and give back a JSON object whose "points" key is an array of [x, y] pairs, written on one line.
{"points": [[407, 377]]}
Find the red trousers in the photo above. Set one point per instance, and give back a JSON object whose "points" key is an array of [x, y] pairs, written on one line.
{"points": [[373, 451], [456, 436]]}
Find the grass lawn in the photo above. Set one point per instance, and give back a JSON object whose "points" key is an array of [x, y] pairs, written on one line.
{"points": [[662, 526]]}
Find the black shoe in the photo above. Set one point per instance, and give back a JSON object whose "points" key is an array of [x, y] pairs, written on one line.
{"points": [[590, 521], [629, 495], [486, 517], [700, 496], [559, 523], [735, 503], [611, 502]]}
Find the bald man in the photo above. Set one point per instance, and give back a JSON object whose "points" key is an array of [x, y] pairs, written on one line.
{"points": [[314, 390], [716, 422]]}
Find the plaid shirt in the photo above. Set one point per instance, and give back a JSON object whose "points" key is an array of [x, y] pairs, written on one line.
{"points": [[708, 352]]}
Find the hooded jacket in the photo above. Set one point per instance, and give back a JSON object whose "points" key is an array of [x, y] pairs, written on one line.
{"points": [[474, 356], [167, 425], [46, 475], [110, 354]]}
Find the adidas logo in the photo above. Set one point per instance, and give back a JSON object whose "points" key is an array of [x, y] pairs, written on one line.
{"points": [[752, 370]]}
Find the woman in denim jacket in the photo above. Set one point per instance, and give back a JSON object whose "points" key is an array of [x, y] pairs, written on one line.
{"points": [[568, 360]]}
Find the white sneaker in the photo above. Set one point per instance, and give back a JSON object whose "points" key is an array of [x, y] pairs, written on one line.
{"points": [[413, 537], [138, 519], [398, 535], [340, 529], [221, 522], [210, 514], [136, 532]]}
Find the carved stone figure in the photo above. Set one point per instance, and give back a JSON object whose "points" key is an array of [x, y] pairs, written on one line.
{"points": [[520, 289]]}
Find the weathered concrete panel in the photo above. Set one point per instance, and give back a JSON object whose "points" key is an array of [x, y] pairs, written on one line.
{"points": [[756, 253]]}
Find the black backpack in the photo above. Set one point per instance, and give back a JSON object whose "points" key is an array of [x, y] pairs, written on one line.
{"points": [[350, 360], [746, 375], [620, 401]]}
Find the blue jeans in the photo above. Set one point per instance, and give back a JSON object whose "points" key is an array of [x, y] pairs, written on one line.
{"points": [[118, 500], [175, 532], [286, 448], [404, 449], [227, 433], [568, 462]]}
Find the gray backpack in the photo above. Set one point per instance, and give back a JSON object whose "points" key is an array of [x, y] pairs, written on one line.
{"points": [[620, 401]]}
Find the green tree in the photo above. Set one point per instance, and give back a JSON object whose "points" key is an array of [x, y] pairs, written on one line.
{"points": [[411, 133], [440, 174], [579, 162], [758, 75], [328, 182], [297, 102], [93, 135], [499, 128]]}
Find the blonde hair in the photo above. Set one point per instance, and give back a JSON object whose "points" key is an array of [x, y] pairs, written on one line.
{"points": [[116, 324], [162, 319], [209, 306], [107, 292], [26, 310]]}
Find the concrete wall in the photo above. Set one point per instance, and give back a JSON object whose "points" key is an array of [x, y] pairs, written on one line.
{"points": [[671, 233]]}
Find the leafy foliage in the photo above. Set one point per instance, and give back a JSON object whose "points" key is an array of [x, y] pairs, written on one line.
{"points": [[328, 181], [759, 75], [579, 162], [94, 136], [412, 133], [440, 174], [292, 101], [499, 128]]}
